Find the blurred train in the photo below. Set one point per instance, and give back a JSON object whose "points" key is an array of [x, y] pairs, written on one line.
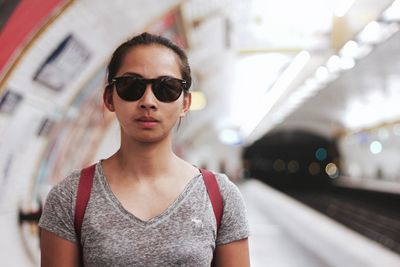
{"points": [[293, 158]]}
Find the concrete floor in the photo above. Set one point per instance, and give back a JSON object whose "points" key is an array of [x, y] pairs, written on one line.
{"points": [[285, 233]]}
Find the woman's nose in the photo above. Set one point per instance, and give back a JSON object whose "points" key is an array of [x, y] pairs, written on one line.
{"points": [[148, 100]]}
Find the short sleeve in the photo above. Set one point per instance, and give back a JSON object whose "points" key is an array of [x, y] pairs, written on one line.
{"points": [[57, 216], [234, 224]]}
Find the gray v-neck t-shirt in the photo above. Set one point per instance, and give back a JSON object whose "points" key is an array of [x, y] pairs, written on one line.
{"points": [[183, 235]]}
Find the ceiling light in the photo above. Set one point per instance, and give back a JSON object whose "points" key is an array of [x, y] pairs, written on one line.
{"points": [[290, 73], [350, 49], [392, 13], [296, 98], [347, 63], [371, 33], [312, 86], [333, 63], [363, 50], [322, 74], [273, 95], [256, 73]]}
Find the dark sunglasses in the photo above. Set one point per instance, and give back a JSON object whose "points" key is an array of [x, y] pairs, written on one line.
{"points": [[165, 89]]}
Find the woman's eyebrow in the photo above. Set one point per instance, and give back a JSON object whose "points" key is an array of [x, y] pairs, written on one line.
{"points": [[132, 74]]}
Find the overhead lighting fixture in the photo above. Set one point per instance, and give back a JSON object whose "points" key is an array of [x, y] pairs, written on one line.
{"points": [[371, 33], [376, 32], [276, 91], [392, 13], [310, 87], [288, 75], [333, 64], [347, 54], [322, 74], [350, 49], [347, 63]]}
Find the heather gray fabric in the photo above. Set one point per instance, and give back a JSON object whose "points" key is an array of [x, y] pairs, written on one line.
{"points": [[183, 235]]}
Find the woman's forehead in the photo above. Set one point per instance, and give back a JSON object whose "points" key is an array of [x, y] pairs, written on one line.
{"points": [[150, 60]]}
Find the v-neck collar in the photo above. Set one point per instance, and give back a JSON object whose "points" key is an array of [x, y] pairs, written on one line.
{"points": [[158, 218]]}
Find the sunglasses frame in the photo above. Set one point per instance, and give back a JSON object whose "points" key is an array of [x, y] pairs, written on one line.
{"points": [[152, 82]]}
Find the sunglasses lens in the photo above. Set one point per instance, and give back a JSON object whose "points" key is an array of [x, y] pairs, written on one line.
{"points": [[168, 89], [165, 89], [130, 88]]}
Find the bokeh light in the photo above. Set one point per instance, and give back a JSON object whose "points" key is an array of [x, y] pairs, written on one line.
{"points": [[321, 154], [375, 147], [332, 170]]}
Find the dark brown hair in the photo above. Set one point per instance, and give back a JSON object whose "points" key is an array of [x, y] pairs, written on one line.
{"points": [[148, 39]]}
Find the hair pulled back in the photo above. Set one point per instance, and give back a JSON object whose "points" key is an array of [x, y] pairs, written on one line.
{"points": [[148, 39]]}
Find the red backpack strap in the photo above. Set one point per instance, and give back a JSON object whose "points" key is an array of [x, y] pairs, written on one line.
{"points": [[82, 197], [214, 194]]}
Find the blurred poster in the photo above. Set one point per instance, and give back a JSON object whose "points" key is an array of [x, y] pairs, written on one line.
{"points": [[171, 26], [9, 102], [81, 129], [45, 127], [63, 64]]}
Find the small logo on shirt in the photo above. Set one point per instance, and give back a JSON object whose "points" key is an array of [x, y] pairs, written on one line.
{"points": [[198, 223]]}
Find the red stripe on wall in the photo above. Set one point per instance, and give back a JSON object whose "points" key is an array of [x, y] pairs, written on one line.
{"points": [[26, 19]]}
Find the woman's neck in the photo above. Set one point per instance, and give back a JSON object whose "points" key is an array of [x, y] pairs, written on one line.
{"points": [[145, 160]]}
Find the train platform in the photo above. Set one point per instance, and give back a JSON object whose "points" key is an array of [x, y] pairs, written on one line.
{"points": [[370, 184], [286, 233]]}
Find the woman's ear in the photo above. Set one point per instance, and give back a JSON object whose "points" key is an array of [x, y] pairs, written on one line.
{"points": [[187, 101], [108, 99]]}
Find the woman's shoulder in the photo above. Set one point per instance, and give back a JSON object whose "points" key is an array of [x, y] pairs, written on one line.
{"points": [[234, 223], [66, 187], [228, 189], [57, 216], [223, 180]]}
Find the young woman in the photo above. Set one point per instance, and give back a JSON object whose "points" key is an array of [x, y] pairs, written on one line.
{"points": [[147, 207]]}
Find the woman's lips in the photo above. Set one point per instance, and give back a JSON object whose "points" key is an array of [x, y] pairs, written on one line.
{"points": [[147, 122]]}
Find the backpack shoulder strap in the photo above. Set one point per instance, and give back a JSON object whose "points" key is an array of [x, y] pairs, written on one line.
{"points": [[82, 197], [85, 187], [214, 194]]}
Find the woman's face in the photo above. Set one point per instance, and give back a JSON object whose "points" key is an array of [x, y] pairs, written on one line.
{"points": [[148, 119]]}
